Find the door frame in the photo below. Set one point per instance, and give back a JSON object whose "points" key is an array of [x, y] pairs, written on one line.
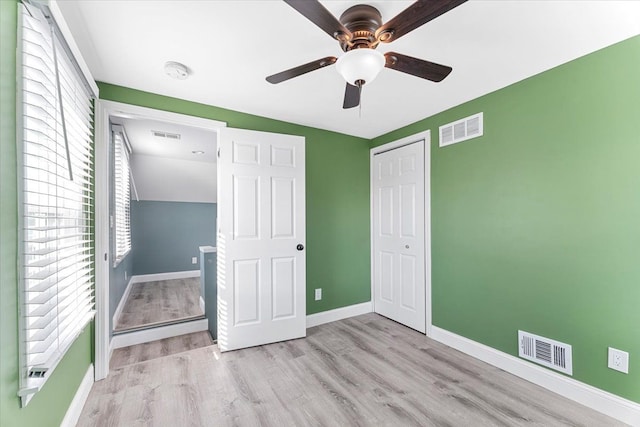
{"points": [[103, 110], [424, 136]]}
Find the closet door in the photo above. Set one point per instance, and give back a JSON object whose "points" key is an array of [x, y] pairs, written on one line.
{"points": [[398, 235]]}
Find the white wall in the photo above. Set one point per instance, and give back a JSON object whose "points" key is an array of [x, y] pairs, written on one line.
{"points": [[174, 180]]}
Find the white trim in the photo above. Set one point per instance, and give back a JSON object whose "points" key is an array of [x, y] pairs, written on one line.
{"points": [[426, 137], [71, 42], [609, 404], [22, 381], [103, 266], [208, 249], [142, 278], [75, 408], [104, 109], [120, 109], [202, 303], [158, 333], [122, 302], [338, 314]]}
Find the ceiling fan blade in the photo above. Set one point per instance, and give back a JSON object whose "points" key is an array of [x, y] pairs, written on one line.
{"points": [[413, 17], [416, 67], [319, 15], [301, 69], [351, 96]]}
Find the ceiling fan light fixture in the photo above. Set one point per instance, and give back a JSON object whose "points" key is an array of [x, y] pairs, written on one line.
{"points": [[360, 65]]}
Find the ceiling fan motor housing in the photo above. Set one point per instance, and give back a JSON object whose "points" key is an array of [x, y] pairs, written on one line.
{"points": [[358, 32], [362, 21]]}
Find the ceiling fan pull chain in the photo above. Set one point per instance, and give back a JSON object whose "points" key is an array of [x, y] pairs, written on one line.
{"points": [[359, 83]]}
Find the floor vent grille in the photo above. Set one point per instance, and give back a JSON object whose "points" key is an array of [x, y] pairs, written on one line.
{"points": [[545, 352]]}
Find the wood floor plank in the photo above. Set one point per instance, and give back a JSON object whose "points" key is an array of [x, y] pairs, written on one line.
{"points": [[158, 302], [160, 348], [363, 371]]}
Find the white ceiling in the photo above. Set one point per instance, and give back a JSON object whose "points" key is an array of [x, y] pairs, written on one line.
{"points": [[231, 46], [142, 140]]}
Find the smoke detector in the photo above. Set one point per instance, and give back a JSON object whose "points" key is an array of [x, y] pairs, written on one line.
{"points": [[176, 70]]}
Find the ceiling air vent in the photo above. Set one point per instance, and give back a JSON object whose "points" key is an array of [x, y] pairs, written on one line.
{"points": [[461, 130], [167, 135], [546, 352]]}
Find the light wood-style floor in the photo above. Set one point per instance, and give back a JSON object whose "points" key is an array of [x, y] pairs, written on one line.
{"points": [[163, 301], [152, 350], [363, 371]]}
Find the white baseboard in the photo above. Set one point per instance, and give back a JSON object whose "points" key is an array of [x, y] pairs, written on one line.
{"points": [[123, 300], [75, 409], [201, 303], [338, 314], [609, 404], [165, 276], [158, 333]]}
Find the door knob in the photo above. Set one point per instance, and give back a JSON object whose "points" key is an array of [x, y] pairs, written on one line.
{"points": [[299, 247], [406, 246]]}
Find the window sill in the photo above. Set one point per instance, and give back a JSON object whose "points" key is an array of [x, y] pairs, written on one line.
{"points": [[120, 259]]}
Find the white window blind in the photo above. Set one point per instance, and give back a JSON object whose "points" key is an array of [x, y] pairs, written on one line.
{"points": [[122, 175], [56, 166]]}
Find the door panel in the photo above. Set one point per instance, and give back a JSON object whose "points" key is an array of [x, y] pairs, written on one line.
{"points": [[408, 281], [246, 153], [283, 282], [398, 240], [261, 214], [408, 210], [246, 210], [386, 211], [282, 207], [386, 276], [246, 287], [283, 156]]}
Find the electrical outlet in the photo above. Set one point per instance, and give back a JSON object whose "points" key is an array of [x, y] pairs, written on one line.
{"points": [[194, 260], [318, 294], [618, 360]]}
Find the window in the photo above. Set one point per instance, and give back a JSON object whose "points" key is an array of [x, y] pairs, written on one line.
{"points": [[55, 161], [122, 185]]}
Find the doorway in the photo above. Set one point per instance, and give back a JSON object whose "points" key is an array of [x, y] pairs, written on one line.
{"points": [[260, 273], [400, 232], [149, 213], [163, 208]]}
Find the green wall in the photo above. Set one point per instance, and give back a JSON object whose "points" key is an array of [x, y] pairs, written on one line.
{"points": [[536, 225], [49, 406], [337, 196]]}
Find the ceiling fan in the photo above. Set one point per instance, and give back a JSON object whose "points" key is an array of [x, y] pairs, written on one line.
{"points": [[359, 32]]}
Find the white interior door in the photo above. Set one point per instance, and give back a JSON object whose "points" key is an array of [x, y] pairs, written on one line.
{"points": [[261, 259], [398, 235]]}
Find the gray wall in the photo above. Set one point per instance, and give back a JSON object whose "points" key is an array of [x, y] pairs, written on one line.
{"points": [[166, 235], [118, 281]]}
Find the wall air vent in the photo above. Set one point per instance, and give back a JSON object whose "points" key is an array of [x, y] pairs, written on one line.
{"points": [[160, 134], [545, 352], [461, 130]]}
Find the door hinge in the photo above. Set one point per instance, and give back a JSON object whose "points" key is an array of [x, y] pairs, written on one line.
{"points": [[218, 153]]}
